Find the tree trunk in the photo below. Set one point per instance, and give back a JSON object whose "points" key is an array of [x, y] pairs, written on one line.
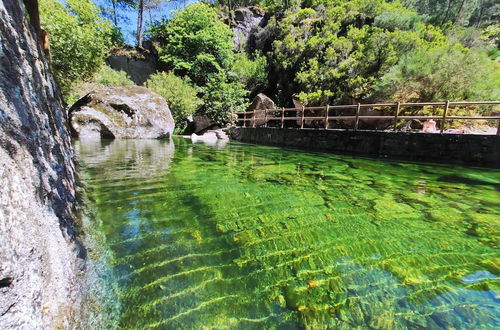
{"points": [[115, 20], [139, 23]]}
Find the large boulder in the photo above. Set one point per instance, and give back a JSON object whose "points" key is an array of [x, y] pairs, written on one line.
{"points": [[260, 102], [130, 112]]}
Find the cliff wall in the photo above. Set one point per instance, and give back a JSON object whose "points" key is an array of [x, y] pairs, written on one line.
{"points": [[40, 258]]}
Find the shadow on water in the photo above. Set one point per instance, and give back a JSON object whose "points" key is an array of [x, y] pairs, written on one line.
{"points": [[246, 236]]}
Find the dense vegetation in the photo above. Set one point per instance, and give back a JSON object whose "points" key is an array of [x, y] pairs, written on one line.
{"points": [[79, 39], [311, 51]]}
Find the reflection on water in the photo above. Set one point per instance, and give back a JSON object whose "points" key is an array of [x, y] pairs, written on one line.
{"points": [[245, 236]]}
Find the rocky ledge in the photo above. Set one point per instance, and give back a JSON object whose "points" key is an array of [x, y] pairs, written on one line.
{"points": [[40, 257]]}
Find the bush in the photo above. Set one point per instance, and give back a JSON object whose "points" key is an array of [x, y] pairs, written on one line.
{"points": [[251, 73], [442, 73], [179, 93], [195, 42], [79, 39], [112, 78], [221, 98]]}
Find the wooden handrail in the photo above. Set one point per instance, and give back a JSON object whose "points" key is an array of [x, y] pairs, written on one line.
{"points": [[397, 116]]}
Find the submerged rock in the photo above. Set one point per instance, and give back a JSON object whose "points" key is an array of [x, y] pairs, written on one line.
{"points": [[122, 112]]}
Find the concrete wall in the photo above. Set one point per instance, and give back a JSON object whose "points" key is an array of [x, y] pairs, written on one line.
{"points": [[480, 150]]}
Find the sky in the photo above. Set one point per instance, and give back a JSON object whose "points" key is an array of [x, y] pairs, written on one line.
{"points": [[127, 21]]}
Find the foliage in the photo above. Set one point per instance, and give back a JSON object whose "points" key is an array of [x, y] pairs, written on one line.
{"points": [[336, 53], [442, 73], [221, 98], [179, 93], [468, 13], [79, 39], [112, 78], [251, 73], [195, 43]]}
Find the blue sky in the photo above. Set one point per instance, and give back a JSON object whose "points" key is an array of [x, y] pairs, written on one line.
{"points": [[128, 21]]}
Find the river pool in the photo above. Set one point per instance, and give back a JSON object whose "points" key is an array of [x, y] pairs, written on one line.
{"points": [[244, 236]]}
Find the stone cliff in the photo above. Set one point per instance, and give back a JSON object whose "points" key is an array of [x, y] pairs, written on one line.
{"points": [[40, 257]]}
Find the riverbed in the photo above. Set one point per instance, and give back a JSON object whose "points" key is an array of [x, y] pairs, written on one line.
{"points": [[233, 235]]}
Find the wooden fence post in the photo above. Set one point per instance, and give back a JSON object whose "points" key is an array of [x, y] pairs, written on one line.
{"points": [[357, 117], [498, 127], [444, 115], [302, 118], [398, 107], [327, 108], [265, 118], [282, 117], [245, 119], [253, 119]]}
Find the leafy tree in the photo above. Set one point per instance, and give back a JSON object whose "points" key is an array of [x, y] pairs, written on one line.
{"points": [[180, 94], [464, 12], [449, 72], [251, 73], [221, 98], [79, 38], [336, 52], [197, 44]]}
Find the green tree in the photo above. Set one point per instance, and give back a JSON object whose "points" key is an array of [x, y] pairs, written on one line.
{"points": [[180, 94], [79, 38], [196, 43], [449, 72], [336, 52], [251, 72], [221, 98]]}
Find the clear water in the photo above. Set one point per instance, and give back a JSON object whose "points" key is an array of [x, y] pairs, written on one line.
{"points": [[244, 236]]}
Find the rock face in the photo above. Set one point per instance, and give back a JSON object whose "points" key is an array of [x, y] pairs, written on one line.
{"points": [[130, 112], [39, 254], [138, 65], [260, 102], [248, 26]]}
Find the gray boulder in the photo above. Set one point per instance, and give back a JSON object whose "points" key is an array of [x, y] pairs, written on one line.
{"points": [[201, 123], [260, 102], [130, 112]]}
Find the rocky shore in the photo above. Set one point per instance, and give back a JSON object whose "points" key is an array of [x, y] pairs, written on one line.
{"points": [[41, 258]]}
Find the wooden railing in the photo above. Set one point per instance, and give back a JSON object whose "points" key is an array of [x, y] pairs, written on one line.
{"points": [[251, 118]]}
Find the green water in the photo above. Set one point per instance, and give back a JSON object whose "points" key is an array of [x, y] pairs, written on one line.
{"points": [[252, 237]]}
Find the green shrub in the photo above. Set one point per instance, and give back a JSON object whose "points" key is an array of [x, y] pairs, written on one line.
{"points": [[179, 93], [195, 42], [79, 39], [112, 78], [251, 73], [449, 72], [221, 98]]}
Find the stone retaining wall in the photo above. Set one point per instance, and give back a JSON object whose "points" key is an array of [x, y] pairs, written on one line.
{"points": [[480, 150]]}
